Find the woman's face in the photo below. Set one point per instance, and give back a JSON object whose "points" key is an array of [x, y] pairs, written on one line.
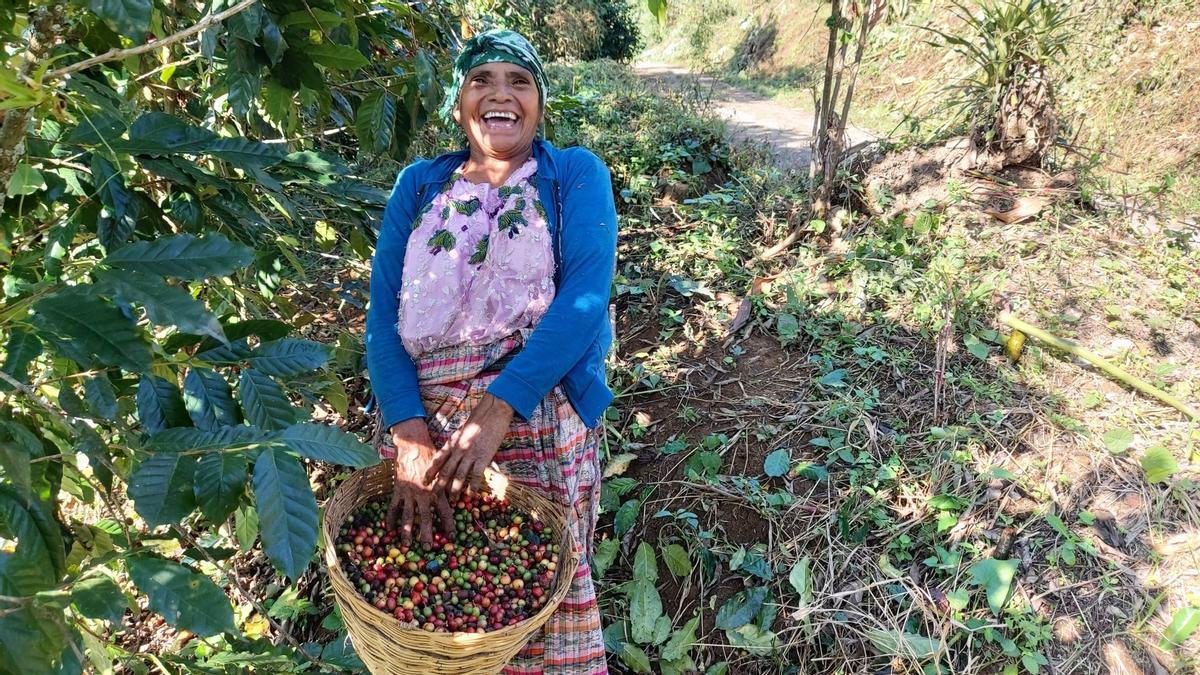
{"points": [[498, 109]]}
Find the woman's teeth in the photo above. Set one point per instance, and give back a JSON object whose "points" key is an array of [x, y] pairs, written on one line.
{"points": [[500, 120]]}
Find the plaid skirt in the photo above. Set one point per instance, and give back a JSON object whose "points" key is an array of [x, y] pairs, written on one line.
{"points": [[554, 452]]}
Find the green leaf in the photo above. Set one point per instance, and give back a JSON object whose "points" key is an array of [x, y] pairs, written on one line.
{"points": [[183, 207], [18, 447], [183, 256], [98, 597], [209, 400], [374, 122], [89, 331], [681, 642], [645, 607], [25, 180], [245, 24], [752, 638], [187, 599], [246, 154], [428, 84], [289, 357], [645, 565], [721, 667], [130, 18], [801, 579], [903, 644], [328, 444], [684, 666], [287, 511], [272, 39], [245, 527], [636, 659], [100, 396], [220, 484], [21, 349], [835, 378], [627, 516], [158, 134], [93, 447], [741, 608], [777, 463], [264, 402], [677, 561], [31, 641], [604, 556], [703, 464], [1117, 440], [996, 577], [338, 57], [958, 599], [1185, 622], [314, 17], [160, 405], [977, 348], [243, 76], [185, 439], [1159, 464], [37, 562], [119, 216], [161, 488], [658, 8], [165, 305]]}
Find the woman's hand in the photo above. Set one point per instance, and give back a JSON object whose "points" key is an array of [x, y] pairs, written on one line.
{"points": [[471, 448], [410, 496]]}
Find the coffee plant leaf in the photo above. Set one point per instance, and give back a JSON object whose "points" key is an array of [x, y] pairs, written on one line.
{"points": [[161, 488], [99, 597], [328, 444], [185, 598], [264, 402], [289, 357], [86, 329], [219, 484], [287, 511], [209, 400], [160, 404], [183, 256]]}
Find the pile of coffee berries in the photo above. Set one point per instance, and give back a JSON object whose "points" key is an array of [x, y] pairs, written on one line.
{"points": [[497, 571]]}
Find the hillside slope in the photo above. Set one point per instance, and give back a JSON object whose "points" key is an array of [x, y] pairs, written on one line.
{"points": [[1131, 83]]}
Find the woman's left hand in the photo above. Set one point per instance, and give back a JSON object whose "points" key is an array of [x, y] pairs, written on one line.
{"points": [[471, 448]]}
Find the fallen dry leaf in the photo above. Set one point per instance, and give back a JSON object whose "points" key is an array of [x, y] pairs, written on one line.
{"points": [[1024, 209]]}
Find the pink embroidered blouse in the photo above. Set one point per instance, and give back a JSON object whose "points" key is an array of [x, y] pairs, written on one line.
{"points": [[478, 266]]}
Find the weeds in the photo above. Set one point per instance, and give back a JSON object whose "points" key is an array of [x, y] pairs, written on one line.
{"points": [[784, 471]]}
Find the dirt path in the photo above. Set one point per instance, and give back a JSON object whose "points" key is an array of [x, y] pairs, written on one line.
{"points": [[751, 118]]}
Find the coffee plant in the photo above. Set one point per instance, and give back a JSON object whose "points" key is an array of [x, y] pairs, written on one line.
{"points": [[160, 162]]}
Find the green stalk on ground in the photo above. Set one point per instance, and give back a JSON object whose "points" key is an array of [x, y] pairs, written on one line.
{"points": [[1074, 349]]}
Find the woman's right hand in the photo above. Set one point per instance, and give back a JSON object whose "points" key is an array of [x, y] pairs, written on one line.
{"points": [[412, 500]]}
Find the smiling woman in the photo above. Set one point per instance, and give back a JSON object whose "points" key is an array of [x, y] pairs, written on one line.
{"points": [[488, 324]]}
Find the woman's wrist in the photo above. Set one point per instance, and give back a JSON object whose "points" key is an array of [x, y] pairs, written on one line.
{"points": [[408, 428], [498, 406]]}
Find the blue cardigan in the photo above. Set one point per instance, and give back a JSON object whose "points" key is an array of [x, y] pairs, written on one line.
{"points": [[569, 344]]}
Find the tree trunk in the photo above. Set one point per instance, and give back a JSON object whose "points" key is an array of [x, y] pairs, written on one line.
{"points": [[43, 25]]}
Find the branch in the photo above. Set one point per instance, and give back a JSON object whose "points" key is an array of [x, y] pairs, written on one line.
{"points": [[118, 54]]}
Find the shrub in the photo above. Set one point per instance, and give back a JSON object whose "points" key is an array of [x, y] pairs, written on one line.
{"points": [[1008, 101]]}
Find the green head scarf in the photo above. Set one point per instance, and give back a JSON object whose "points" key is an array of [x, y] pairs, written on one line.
{"points": [[494, 46]]}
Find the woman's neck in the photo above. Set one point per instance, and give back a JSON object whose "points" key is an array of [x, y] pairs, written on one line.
{"points": [[481, 168]]}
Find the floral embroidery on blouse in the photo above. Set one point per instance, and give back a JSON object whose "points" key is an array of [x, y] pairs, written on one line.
{"points": [[463, 282]]}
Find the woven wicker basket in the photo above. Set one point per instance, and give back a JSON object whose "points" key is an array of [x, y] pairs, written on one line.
{"points": [[389, 646]]}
